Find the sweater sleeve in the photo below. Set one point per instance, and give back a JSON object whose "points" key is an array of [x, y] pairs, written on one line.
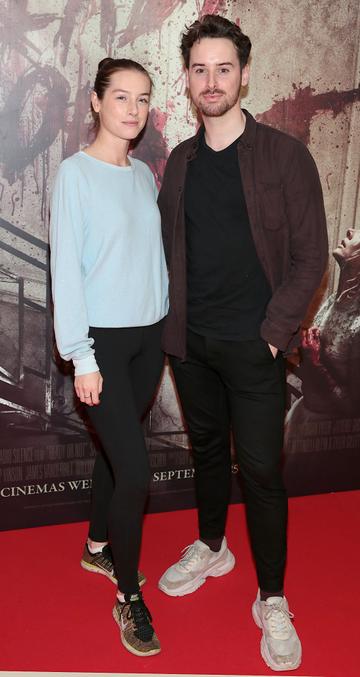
{"points": [[154, 186], [66, 243]]}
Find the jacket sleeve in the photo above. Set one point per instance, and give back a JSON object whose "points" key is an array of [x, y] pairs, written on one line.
{"points": [[164, 199], [66, 243], [308, 249]]}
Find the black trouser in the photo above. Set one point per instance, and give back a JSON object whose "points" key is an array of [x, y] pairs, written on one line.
{"points": [[130, 361], [238, 385]]}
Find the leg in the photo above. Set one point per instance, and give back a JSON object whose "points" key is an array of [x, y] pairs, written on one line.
{"points": [[146, 367], [145, 370], [256, 389], [117, 423], [101, 492], [204, 405]]}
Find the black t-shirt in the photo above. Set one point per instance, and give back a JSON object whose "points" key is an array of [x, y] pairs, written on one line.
{"points": [[227, 290]]}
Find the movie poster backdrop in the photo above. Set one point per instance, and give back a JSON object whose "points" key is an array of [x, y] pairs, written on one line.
{"points": [[305, 81]]}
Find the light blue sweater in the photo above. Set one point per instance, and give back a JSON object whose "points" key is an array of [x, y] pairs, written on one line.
{"points": [[107, 259]]}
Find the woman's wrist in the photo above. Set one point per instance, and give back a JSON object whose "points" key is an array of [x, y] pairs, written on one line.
{"points": [[85, 365]]}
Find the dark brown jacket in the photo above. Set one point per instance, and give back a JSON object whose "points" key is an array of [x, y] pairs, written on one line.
{"points": [[286, 212]]}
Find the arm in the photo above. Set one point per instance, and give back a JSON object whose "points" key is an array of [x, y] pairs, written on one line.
{"points": [[66, 242], [164, 198], [308, 248]]}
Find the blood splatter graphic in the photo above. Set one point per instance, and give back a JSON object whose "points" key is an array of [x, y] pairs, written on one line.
{"points": [[146, 16], [212, 7], [79, 127], [107, 24], [51, 92], [75, 12], [294, 115], [152, 147], [15, 22]]}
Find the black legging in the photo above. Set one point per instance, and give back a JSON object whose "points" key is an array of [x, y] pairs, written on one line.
{"points": [[130, 361]]}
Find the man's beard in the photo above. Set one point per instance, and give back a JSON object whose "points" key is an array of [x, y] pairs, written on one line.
{"points": [[219, 108]]}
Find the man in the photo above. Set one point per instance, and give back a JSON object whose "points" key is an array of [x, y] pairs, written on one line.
{"points": [[245, 239]]}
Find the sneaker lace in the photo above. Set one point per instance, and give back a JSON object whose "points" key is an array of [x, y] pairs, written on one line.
{"points": [[279, 619], [190, 557], [141, 617], [105, 558]]}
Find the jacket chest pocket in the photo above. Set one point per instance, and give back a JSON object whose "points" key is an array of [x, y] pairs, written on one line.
{"points": [[272, 206]]}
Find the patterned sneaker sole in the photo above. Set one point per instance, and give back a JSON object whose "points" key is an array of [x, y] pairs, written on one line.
{"points": [[266, 656], [143, 654], [96, 570], [197, 582]]}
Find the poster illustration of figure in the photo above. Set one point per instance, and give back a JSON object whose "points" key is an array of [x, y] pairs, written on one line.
{"points": [[48, 56], [324, 423]]}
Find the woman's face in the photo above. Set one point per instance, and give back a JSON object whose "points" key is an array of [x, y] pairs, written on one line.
{"points": [[349, 248], [124, 108]]}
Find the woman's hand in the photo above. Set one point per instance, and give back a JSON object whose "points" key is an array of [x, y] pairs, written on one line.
{"points": [[88, 388]]}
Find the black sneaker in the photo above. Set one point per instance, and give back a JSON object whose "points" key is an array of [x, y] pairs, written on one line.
{"points": [[134, 620], [102, 563]]}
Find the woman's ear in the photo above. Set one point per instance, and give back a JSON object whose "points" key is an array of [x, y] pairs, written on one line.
{"points": [[95, 102]]}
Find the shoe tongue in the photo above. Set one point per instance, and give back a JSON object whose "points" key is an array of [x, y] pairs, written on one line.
{"points": [[133, 598], [274, 600]]}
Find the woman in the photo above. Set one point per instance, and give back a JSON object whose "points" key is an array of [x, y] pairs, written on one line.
{"points": [[110, 294]]}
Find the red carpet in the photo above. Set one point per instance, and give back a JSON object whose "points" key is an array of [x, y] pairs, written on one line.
{"points": [[55, 616]]}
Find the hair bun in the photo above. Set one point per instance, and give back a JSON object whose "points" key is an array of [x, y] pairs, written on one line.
{"points": [[105, 62]]}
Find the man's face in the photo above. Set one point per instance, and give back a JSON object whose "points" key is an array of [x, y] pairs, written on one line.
{"points": [[214, 77]]}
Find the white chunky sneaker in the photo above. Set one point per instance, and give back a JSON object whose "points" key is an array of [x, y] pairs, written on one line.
{"points": [[196, 564], [280, 646]]}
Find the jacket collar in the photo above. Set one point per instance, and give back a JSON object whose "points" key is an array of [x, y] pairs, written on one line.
{"points": [[246, 141]]}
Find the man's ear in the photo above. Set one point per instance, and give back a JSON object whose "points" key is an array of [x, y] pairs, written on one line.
{"points": [[187, 77], [245, 74]]}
